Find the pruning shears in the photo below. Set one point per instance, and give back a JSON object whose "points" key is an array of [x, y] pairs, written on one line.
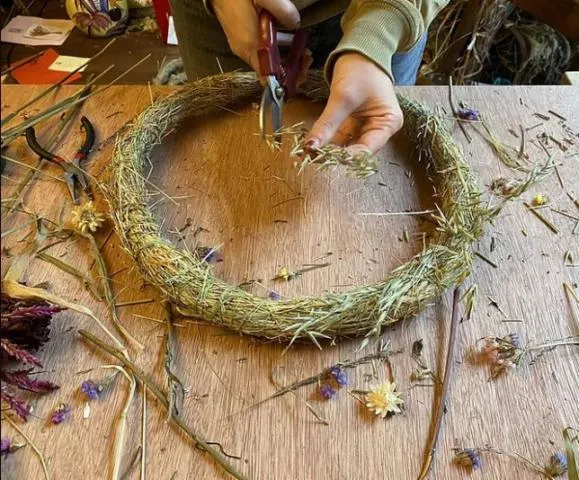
{"points": [[74, 176], [281, 76]]}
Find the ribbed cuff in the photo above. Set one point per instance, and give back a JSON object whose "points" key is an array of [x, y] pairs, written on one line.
{"points": [[377, 30]]}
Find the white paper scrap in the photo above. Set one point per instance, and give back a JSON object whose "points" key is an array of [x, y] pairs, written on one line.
{"points": [[66, 63], [36, 31]]}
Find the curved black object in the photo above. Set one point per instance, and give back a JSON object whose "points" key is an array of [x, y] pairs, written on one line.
{"points": [[89, 136], [36, 148]]}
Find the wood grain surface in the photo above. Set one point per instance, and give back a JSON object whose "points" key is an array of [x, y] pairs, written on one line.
{"points": [[235, 193]]}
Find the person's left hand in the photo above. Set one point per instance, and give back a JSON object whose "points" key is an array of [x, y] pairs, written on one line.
{"points": [[362, 111]]}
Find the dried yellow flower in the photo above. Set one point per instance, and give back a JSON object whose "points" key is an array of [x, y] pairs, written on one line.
{"points": [[86, 218], [539, 200], [384, 399], [284, 274]]}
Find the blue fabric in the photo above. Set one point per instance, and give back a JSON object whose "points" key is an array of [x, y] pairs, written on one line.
{"points": [[405, 65]]}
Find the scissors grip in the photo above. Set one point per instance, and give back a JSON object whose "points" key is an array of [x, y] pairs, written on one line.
{"points": [[268, 52], [41, 152]]}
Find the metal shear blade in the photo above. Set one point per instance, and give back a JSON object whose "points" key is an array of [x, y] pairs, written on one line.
{"points": [[272, 101]]}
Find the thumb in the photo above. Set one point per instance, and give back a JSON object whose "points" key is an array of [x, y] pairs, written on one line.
{"points": [[284, 11], [327, 125]]}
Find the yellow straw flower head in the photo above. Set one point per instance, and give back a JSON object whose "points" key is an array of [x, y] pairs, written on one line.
{"points": [[384, 399], [86, 217]]}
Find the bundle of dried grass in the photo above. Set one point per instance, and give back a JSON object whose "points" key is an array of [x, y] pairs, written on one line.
{"points": [[188, 282]]}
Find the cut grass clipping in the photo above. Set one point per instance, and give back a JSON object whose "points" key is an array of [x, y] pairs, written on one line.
{"points": [[188, 282]]}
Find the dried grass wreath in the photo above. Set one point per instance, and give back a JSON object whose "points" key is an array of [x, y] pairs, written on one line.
{"points": [[188, 282]]}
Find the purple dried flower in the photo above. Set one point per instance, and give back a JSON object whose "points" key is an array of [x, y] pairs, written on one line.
{"points": [[90, 389], [467, 458], [557, 465], [19, 407], [207, 254], [273, 295], [468, 114], [514, 339], [24, 328], [4, 446], [22, 380], [60, 414], [339, 375], [9, 349], [327, 392]]}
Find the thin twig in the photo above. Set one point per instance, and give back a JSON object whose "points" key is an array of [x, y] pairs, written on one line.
{"points": [[445, 388], [157, 392], [455, 111], [394, 214], [143, 475], [486, 259], [32, 445], [134, 302], [546, 222]]}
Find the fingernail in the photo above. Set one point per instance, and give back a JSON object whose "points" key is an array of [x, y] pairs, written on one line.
{"points": [[312, 144]]}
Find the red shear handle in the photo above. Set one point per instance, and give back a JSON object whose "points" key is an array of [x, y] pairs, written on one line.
{"points": [[293, 63], [268, 52]]}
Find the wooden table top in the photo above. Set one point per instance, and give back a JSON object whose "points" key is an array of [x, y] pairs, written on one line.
{"points": [[233, 192]]}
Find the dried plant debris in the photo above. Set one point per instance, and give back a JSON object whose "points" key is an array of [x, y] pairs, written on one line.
{"points": [[508, 352], [24, 328], [360, 164], [421, 371], [470, 459]]}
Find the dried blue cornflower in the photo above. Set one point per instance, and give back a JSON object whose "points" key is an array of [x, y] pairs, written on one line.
{"points": [[339, 375], [327, 392], [557, 465], [468, 114], [468, 458], [7, 447], [4, 446], [273, 295], [60, 414], [91, 389]]}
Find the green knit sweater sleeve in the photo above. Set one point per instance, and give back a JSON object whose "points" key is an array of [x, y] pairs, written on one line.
{"points": [[379, 28]]}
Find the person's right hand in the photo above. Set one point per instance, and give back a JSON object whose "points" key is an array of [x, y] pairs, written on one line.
{"points": [[239, 19]]}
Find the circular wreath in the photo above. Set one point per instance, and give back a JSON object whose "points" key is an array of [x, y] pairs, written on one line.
{"points": [[188, 281]]}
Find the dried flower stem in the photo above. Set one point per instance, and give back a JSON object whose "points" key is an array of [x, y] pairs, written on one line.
{"points": [[157, 392], [427, 464], [88, 283], [32, 445], [106, 283], [383, 354], [143, 475], [175, 389], [120, 434]]}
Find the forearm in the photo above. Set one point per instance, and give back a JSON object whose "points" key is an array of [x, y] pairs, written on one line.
{"points": [[380, 28]]}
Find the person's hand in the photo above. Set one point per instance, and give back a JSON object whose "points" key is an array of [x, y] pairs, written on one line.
{"points": [[362, 111], [239, 19]]}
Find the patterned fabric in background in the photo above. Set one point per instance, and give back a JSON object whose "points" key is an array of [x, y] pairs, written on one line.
{"points": [[99, 18]]}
